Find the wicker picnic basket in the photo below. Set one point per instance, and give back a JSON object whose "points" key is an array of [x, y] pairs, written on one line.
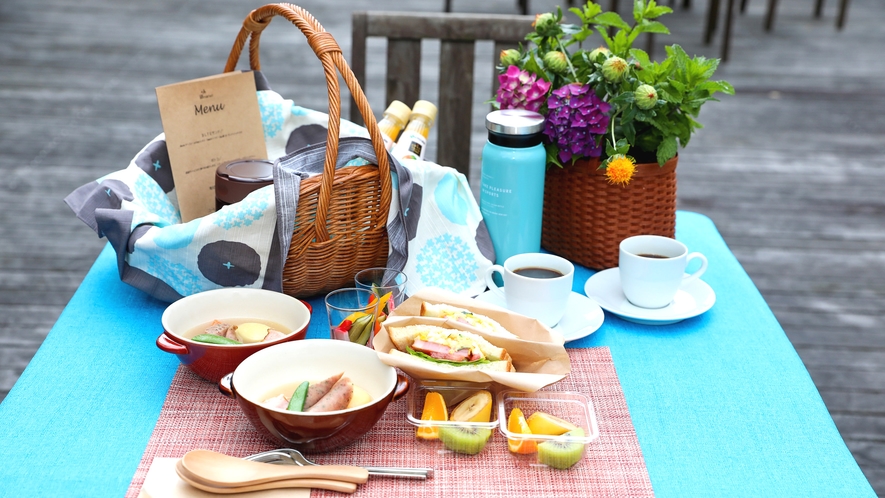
{"points": [[340, 227], [586, 217]]}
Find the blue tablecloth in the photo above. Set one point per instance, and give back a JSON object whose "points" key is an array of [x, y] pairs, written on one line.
{"points": [[722, 404]]}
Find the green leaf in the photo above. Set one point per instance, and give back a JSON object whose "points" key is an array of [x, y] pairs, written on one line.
{"points": [[611, 19], [666, 150], [427, 357], [653, 27]]}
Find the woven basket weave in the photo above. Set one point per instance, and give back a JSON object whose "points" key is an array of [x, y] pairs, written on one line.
{"points": [[341, 220], [586, 218]]}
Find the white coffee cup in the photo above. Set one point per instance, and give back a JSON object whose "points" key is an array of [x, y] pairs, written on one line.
{"points": [[536, 285], [652, 269]]}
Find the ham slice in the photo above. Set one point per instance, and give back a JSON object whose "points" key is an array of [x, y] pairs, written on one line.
{"points": [[279, 401], [336, 399], [319, 389]]}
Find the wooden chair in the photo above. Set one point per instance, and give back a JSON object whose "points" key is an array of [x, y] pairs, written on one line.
{"points": [[771, 8], [458, 34]]}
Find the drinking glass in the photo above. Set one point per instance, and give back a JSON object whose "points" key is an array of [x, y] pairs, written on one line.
{"points": [[352, 315], [387, 284]]}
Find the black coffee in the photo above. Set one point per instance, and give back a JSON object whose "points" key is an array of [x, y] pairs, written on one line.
{"points": [[655, 256], [532, 272]]}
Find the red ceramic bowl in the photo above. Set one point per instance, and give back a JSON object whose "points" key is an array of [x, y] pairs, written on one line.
{"points": [[313, 359], [212, 361]]}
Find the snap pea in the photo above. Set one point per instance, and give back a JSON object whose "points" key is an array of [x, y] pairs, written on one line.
{"points": [[214, 339], [296, 404], [366, 332], [359, 327]]}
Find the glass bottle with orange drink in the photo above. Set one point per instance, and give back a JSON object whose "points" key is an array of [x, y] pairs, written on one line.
{"points": [[413, 141], [392, 122]]}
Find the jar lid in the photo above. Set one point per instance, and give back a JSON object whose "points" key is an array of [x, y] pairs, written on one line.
{"points": [[515, 122], [249, 170]]}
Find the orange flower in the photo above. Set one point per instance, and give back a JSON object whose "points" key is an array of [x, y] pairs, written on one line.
{"points": [[620, 169]]}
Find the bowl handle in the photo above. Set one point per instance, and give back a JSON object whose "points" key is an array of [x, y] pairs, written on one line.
{"points": [[169, 345], [402, 386], [309, 307], [224, 385]]}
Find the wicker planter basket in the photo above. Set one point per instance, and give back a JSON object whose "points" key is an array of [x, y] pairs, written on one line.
{"points": [[586, 218], [341, 223]]}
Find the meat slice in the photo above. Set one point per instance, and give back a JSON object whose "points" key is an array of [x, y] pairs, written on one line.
{"points": [[217, 328], [319, 389], [273, 335], [279, 401], [336, 399]]}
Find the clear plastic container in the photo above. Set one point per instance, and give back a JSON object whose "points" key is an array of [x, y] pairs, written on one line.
{"points": [[468, 438], [552, 451]]}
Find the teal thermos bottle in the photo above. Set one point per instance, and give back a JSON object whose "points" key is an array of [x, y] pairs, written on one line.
{"points": [[511, 196]]}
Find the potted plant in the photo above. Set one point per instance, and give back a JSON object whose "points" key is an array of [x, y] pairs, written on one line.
{"points": [[614, 122]]}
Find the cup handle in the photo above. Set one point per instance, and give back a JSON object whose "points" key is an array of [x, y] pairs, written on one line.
{"points": [[700, 271], [490, 281]]}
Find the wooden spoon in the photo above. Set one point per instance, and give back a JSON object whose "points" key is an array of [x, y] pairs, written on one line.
{"points": [[224, 471], [340, 486]]}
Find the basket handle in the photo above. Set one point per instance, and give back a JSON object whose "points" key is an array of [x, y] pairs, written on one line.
{"points": [[329, 53]]}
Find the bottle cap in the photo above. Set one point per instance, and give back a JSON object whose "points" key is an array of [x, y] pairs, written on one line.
{"points": [[426, 109], [514, 122], [399, 111]]}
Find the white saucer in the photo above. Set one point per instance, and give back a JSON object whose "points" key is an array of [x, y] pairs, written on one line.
{"points": [[690, 301], [582, 316]]}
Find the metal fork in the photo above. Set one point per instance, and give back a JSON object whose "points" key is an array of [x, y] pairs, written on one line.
{"points": [[288, 456]]}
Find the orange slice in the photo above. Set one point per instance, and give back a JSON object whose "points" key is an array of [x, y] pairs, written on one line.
{"points": [[517, 424], [544, 423], [434, 409]]}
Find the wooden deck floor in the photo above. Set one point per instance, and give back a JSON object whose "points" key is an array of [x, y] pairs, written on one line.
{"points": [[790, 169]]}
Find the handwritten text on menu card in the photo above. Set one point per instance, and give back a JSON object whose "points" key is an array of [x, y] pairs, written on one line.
{"points": [[209, 122]]}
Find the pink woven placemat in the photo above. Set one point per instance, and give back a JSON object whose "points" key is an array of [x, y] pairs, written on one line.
{"points": [[195, 415]]}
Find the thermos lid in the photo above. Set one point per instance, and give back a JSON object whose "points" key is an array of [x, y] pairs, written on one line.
{"points": [[515, 122]]}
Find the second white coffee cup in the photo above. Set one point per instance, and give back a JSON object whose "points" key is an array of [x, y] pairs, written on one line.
{"points": [[652, 269], [536, 285]]}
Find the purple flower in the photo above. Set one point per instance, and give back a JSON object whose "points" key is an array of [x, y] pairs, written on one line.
{"points": [[575, 118], [521, 90]]}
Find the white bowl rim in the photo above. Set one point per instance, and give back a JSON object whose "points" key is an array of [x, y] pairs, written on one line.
{"points": [[232, 290], [307, 343]]}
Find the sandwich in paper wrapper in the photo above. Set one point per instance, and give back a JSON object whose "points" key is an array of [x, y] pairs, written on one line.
{"points": [[521, 353]]}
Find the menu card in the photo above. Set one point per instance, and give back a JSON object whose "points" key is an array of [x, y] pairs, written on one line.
{"points": [[209, 122]]}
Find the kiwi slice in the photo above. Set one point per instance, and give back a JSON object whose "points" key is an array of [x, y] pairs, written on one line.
{"points": [[464, 438], [560, 453]]}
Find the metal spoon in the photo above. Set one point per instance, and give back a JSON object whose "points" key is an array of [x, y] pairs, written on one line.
{"points": [[289, 456], [194, 481], [223, 471]]}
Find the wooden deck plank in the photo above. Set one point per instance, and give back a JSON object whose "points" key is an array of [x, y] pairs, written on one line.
{"points": [[790, 169]]}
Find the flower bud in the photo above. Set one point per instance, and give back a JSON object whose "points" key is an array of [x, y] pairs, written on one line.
{"points": [[544, 21], [556, 61], [594, 54], [646, 96], [509, 57], [613, 69]]}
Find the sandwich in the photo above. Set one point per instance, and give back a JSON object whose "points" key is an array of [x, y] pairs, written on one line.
{"points": [[450, 347], [464, 316]]}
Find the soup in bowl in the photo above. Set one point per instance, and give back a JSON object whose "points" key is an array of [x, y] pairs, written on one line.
{"points": [[279, 368], [206, 313]]}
